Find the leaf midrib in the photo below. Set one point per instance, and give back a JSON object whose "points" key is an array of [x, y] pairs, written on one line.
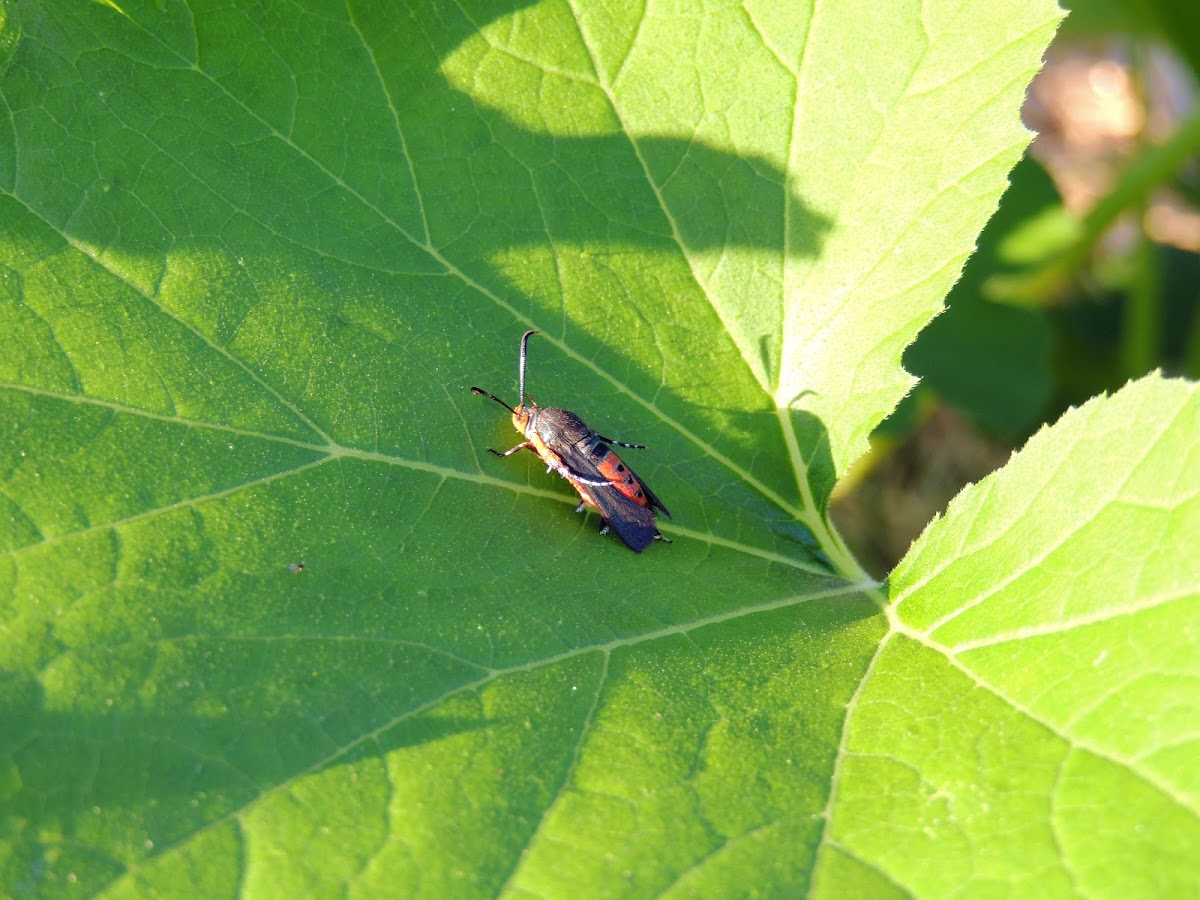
{"points": [[333, 451]]}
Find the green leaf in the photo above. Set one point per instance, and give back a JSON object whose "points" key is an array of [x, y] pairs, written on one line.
{"points": [[1033, 698], [991, 360], [273, 621]]}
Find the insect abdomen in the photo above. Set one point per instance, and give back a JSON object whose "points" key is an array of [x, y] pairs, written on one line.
{"points": [[621, 476]]}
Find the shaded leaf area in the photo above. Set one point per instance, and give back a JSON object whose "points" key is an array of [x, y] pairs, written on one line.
{"points": [[250, 244], [273, 619], [305, 745], [1029, 703]]}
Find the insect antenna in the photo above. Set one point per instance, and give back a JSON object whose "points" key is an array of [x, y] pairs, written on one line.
{"points": [[524, 343], [484, 393]]}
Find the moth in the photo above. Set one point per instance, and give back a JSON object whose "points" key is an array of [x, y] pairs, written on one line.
{"points": [[566, 444]]}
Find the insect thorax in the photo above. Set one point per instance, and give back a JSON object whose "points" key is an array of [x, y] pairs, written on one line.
{"points": [[556, 427]]}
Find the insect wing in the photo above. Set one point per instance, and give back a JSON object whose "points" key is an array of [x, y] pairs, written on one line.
{"points": [[622, 499], [633, 523]]}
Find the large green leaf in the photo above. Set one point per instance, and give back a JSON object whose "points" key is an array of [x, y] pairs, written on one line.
{"points": [[1033, 700], [253, 260]]}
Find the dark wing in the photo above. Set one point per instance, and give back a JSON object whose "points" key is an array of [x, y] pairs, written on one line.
{"points": [[652, 500], [633, 522]]}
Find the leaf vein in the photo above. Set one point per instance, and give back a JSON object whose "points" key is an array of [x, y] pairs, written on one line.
{"points": [[1072, 741], [373, 734], [585, 729], [1103, 500], [450, 268]]}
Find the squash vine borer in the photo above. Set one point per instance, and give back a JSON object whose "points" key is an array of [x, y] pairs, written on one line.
{"points": [[569, 447]]}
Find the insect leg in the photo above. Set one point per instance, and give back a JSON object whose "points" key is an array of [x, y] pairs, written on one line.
{"points": [[608, 440], [511, 451], [576, 475]]}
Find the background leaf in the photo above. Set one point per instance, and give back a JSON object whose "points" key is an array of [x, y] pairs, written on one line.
{"points": [[253, 260], [1036, 672]]}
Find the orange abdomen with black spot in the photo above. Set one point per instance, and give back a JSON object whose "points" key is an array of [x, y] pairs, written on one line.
{"points": [[622, 478]]}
